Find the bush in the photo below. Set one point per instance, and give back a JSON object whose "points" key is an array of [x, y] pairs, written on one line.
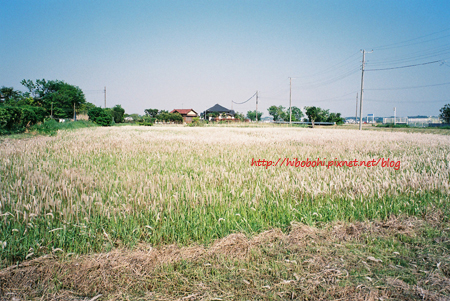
{"points": [[51, 126], [170, 117], [145, 123], [100, 116], [15, 119], [391, 125], [48, 127], [147, 120], [196, 122]]}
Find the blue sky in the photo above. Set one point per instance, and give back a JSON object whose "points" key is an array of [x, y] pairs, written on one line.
{"points": [[194, 54]]}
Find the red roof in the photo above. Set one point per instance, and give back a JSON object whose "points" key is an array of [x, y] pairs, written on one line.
{"points": [[182, 111]]}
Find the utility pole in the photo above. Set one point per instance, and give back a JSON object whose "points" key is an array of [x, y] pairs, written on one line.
{"points": [[105, 97], [74, 114], [290, 100], [362, 88], [256, 115], [356, 115]]}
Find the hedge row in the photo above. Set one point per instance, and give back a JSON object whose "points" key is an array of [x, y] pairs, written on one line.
{"points": [[15, 119]]}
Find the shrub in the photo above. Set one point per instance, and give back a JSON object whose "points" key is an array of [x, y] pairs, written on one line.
{"points": [[196, 122], [100, 116], [48, 127], [15, 119], [391, 125], [51, 126]]}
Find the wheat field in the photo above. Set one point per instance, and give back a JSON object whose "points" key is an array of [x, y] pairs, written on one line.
{"points": [[96, 189]]}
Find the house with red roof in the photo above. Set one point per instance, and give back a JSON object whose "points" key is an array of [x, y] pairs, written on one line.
{"points": [[187, 114]]}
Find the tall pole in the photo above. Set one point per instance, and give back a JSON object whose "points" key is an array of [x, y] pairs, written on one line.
{"points": [[256, 115], [290, 100], [356, 114], [74, 114], [362, 89], [105, 97]]}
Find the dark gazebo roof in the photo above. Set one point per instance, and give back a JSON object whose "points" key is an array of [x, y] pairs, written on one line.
{"points": [[219, 109]]}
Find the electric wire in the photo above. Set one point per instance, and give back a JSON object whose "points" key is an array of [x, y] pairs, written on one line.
{"points": [[326, 70], [240, 103], [334, 98], [407, 101], [397, 45], [401, 67], [328, 81], [410, 87], [438, 52]]}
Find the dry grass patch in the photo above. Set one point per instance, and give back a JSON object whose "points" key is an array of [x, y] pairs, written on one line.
{"points": [[307, 263]]}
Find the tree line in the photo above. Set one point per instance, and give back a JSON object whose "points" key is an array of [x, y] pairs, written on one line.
{"points": [[52, 99], [314, 114]]}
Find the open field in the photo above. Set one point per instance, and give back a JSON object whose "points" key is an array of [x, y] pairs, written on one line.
{"points": [[183, 208]]}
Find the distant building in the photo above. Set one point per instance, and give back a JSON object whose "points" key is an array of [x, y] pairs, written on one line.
{"points": [[222, 112], [187, 114], [416, 121]]}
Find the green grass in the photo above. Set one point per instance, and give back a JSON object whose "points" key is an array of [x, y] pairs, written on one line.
{"points": [[186, 224], [50, 127]]}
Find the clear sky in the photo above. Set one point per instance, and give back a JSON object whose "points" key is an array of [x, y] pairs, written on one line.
{"points": [[194, 54]]}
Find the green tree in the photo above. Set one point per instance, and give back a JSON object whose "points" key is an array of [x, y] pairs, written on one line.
{"points": [[169, 117], [9, 95], [118, 113], [445, 113], [297, 114], [316, 114], [336, 117], [252, 115], [85, 107], [278, 113], [62, 95], [151, 112]]}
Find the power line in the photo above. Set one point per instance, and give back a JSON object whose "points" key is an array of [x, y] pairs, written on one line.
{"points": [[240, 103], [394, 45], [412, 60], [427, 63], [328, 81], [326, 70], [410, 87], [333, 98], [407, 101], [414, 56]]}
